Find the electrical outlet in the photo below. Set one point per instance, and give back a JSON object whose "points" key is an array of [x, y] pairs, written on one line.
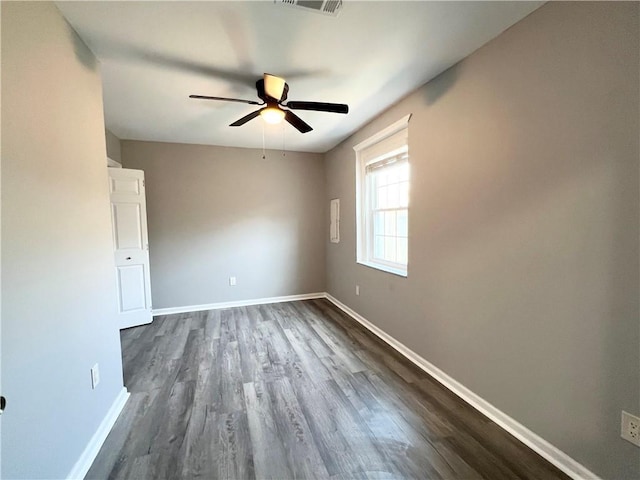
{"points": [[232, 281], [357, 289], [95, 376], [630, 428]]}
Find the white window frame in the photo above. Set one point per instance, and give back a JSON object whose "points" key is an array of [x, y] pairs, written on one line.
{"points": [[392, 140]]}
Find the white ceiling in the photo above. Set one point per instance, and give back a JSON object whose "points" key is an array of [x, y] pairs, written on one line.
{"points": [[155, 54]]}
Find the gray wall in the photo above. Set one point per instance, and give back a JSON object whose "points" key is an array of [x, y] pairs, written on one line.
{"points": [[58, 288], [523, 261], [216, 212], [113, 146]]}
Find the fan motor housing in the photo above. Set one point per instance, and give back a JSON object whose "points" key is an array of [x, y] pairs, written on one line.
{"points": [[264, 97]]}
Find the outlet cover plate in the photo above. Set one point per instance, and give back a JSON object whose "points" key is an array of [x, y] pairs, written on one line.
{"points": [[630, 428]]}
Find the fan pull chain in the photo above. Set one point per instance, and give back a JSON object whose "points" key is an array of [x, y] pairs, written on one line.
{"points": [[284, 150], [263, 153]]}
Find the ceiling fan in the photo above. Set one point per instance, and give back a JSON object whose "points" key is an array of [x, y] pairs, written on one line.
{"points": [[273, 91]]}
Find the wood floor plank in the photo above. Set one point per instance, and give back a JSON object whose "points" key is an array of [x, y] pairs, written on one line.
{"points": [[228, 381], [192, 356], [281, 361], [143, 467], [270, 457], [212, 324], [253, 355], [484, 431], [177, 411], [342, 436], [114, 455], [302, 452], [227, 326], [231, 447], [310, 362], [310, 337], [281, 313], [293, 390], [199, 460], [333, 339], [399, 432]]}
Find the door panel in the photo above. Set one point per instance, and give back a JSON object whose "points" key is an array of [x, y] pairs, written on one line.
{"points": [[126, 185], [127, 225], [131, 288], [131, 246]]}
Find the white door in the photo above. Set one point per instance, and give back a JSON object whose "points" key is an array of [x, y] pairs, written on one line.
{"points": [[131, 244]]}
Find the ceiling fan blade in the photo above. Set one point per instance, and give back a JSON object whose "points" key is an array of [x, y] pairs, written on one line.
{"points": [[224, 99], [274, 86], [319, 106], [297, 122], [246, 118]]}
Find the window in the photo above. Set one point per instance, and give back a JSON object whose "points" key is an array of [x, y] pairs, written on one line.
{"points": [[383, 199]]}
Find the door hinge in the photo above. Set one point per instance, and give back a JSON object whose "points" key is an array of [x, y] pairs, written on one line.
{"points": [[143, 183]]}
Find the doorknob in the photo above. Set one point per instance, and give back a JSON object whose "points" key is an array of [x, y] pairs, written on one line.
{"points": [[3, 404], [128, 258]]}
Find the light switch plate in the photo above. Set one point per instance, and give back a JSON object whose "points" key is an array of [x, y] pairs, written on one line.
{"points": [[95, 376]]}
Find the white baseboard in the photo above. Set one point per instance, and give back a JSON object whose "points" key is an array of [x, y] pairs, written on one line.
{"points": [[90, 452], [538, 444], [238, 303]]}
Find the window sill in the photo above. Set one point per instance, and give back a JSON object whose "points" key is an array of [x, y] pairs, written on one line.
{"points": [[384, 268]]}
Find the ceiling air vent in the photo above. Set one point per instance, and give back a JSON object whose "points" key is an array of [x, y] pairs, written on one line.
{"points": [[327, 7]]}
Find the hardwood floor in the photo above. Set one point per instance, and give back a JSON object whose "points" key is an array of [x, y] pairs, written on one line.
{"points": [[293, 390]]}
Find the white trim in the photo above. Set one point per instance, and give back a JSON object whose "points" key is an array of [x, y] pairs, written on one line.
{"points": [[382, 134], [90, 452], [390, 141], [113, 163], [384, 268], [238, 303], [536, 443]]}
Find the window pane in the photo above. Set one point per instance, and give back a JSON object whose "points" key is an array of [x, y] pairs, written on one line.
{"points": [[381, 177], [401, 223], [381, 196], [401, 244], [404, 194], [403, 173], [393, 195], [378, 223], [393, 174], [389, 223], [390, 249], [378, 246]]}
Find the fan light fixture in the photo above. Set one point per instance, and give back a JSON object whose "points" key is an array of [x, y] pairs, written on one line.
{"points": [[272, 115], [273, 91]]}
